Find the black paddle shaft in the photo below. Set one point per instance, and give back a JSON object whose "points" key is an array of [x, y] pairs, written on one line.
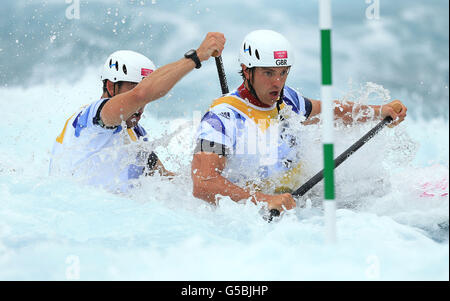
{"points": [[222, 76], [338, 161]]}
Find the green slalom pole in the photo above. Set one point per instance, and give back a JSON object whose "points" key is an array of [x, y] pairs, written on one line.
{"points": [[327, 111], [329, 203]]}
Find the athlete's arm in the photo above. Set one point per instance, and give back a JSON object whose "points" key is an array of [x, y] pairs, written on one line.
{"points": [[206, 171], [157, 84], [159, 167], [346, 110]]}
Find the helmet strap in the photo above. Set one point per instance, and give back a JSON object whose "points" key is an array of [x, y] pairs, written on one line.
{"points": [[249, 82], [279, 102], [105, 88], [115, 93], [114, 88]]}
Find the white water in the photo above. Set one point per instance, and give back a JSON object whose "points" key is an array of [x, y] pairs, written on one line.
{"points": [[52, 228]]}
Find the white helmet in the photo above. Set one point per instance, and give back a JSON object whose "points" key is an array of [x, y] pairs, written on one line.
{"points": [[266, 48], [127, 65]]}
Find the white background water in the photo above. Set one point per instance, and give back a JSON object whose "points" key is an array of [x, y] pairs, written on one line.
{"points": [[53, 228]]}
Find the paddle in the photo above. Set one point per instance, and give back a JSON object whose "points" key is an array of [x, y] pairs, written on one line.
{"points": [[221, 72], [357, 145]]}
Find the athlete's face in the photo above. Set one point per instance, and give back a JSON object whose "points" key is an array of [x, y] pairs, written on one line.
{"points": [[268, 82]]}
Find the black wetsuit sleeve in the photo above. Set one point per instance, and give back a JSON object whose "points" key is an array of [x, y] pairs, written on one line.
{"points": [[308, 107], [211, 147], [98, 120]]}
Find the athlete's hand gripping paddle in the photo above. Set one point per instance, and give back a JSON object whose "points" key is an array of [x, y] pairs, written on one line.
{"points": [[357, 145]]}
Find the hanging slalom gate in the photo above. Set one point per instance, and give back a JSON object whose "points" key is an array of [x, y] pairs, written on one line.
{"points": [[328, 121]]}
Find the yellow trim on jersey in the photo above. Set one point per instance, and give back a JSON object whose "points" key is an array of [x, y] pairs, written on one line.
{"points": [[60, 138], [285, 183], [260, 117], [290, 180], [132, 134]]}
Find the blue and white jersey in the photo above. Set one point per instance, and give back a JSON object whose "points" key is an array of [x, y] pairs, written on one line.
{"points": [[98, 155], [262, 153]]}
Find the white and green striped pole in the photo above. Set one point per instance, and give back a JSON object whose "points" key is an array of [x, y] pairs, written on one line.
{"points": [[328, 120]]}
